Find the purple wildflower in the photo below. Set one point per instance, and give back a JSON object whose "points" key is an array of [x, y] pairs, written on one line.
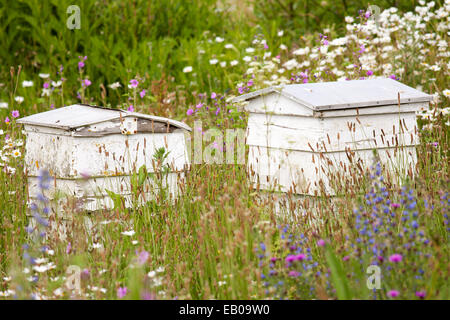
{"points": [[290, 258], [300, 257], [143, 257], [122, 292], [15, 113], [421, 294], [134, 83], [190, 112], [393, 293], [395, 258]]}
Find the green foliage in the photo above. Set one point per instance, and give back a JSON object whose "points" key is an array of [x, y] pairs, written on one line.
{"points": [[204, 241], [117, 37], [338, 276], [303, 16]]}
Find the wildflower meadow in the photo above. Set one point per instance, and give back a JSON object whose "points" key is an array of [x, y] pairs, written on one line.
{"points": [[383, 236]]}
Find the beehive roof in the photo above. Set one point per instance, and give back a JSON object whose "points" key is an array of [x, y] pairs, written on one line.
{"points": [[80, 115], [345, 94]]}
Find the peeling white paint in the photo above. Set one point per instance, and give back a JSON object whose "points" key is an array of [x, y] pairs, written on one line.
{"points": [[85, 166], [293, 133]]}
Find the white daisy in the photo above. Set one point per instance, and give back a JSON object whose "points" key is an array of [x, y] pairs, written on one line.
{"points": [[115, 85], [27, 83], [128, 233], [19, 99]]}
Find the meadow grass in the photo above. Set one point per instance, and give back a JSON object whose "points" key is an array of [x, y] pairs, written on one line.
{"points": [[220, 238]]}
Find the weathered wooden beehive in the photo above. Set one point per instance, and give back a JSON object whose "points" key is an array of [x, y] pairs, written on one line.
{"points": [[92, 151], [297, 132]]}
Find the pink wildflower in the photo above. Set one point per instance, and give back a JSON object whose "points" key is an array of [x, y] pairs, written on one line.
{"points": [[421, 294], [15, 113], [134, 83], [190, 112], [122, 292], [300, 257], [395, 258], [290, 258], [393, 293], [143, 257], [142, 93]]}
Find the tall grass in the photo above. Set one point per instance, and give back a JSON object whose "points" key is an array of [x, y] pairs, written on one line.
{"points": [[220, 238]]}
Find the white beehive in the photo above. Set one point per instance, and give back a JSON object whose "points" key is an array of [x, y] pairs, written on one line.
{"points": [[92, 150], [294, 131]]}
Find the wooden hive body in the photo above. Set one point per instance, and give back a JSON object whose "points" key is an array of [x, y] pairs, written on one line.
{"points": [[91, 151], [294, 132]]}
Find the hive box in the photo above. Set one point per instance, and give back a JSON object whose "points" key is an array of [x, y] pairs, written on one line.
{"points": [[91, 150], [296, 131]]}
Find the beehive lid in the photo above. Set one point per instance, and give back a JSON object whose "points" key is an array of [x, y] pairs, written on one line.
{"points": [[79, 115], [345, 94]]}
